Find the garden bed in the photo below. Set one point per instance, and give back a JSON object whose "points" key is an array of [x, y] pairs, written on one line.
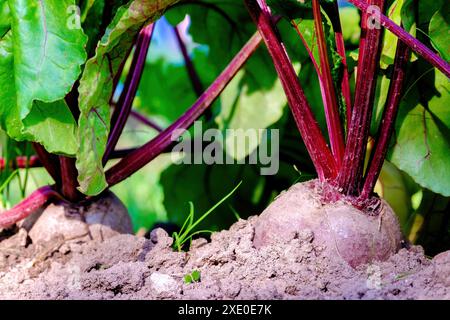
{"points": [[131, 267]]}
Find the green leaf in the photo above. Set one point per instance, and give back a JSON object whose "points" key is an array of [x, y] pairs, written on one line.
{"points": [[188, 279], [92, 16], [96, 15], [391, 186], [422, 10], [427, 9], [291, 9], [439, 31], [86, 7], [40, 59], [422, 145], [195, 275], [350, 21], [306, 27], [247, 110], [390, 40], [408, 16], [96, 87], [381, 94], [54, 126], [5, 20], [228, 26], [165, 90]]}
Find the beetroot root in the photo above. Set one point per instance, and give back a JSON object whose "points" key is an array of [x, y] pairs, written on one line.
{"points": [[342, 230], [102, 218]]}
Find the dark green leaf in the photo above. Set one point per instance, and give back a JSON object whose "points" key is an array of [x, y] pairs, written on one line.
{"points": [[440, 31], [417, 14], [165, 90], [92, 20], [5, 20], [291, 9]]}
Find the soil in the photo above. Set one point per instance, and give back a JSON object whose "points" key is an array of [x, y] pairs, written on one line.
{"points": [[130, 267], [124, 266]]}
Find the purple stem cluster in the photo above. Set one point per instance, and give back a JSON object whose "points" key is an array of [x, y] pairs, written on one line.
{"points": [[349, 178]]}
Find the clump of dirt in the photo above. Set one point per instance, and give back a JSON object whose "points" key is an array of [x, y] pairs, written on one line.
{"points": [[130, 267]]}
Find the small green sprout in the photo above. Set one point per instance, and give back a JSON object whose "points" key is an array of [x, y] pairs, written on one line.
{"points": [[236, 214], [186, 233], [192, 277]]}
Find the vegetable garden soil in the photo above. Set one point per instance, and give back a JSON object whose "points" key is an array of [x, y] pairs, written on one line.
{"points": [[130, 267]]}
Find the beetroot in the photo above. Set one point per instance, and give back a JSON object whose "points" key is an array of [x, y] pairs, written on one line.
{"points": [[341, 229], [102, 218]]}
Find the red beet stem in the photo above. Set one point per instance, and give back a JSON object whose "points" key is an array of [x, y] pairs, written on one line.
{"points": [[388, 120], [28, 206], [69, 181], [192, 72], [331, 105], [49, 161], [313, 138]]}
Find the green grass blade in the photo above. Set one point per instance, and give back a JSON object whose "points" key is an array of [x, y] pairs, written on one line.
{"points": [[8, 180], [213, 208]]}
